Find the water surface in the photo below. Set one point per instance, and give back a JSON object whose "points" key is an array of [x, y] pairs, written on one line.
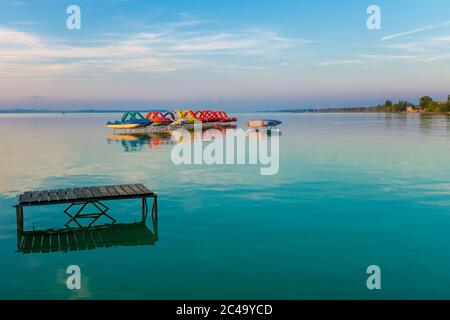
{"points": [[353, 190]]}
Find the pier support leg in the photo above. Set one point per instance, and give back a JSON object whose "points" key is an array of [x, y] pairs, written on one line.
{"points": [[19, 222], [144, 209], [155, 216]]}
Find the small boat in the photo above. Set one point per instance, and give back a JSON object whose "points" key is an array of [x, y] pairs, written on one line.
{"points": [[201, 116], [174, 121], [130, 120], [263, 123], [178, 122], [185, 116], [223, 117], [158, 118], [190, 117]]}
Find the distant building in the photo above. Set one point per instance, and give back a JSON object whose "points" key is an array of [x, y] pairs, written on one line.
{"points": [[412, 109]]}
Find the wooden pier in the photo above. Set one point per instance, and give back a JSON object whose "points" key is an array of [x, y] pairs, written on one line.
{"points": [[80, 199]]}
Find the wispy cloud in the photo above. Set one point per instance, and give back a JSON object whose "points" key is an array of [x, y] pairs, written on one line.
{"points": [[246, 42], [418, 30], [426, 50], [12, 37], [406, 58], [163, 49], [338, 62], [24, 23]]}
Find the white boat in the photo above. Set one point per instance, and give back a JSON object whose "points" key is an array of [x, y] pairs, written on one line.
{"points": [[262, 123]]}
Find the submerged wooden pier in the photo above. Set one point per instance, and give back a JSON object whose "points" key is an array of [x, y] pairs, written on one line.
{"points": [[80, 199]]}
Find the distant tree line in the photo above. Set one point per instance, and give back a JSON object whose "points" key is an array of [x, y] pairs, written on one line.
{"points": [[427, 104], [389, 106]]}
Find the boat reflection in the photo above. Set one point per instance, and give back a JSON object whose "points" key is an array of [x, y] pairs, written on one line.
{"points": [[132, 142], [103, 236], [137, 141], [262, 133]]}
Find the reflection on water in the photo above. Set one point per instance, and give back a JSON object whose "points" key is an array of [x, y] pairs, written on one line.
{"points": [[426, 123], [136, 141], [132, 142], [68, 239], [352, 190], [429, 122], [87, 238]]}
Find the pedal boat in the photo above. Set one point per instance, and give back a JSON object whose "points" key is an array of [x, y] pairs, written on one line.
{"points": [[130, 120], [174, 121], [158, 118]]}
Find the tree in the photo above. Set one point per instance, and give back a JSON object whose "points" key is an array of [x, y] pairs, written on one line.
{"points": [[433, 106], [425, 102], [388, 103]]}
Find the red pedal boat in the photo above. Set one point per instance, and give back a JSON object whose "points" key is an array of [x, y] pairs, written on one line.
{"points": [[158, 118]]}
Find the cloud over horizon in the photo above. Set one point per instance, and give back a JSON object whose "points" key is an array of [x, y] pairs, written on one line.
{"points": [[190, 52]]}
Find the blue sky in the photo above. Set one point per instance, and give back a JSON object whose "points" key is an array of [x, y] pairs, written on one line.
{"points": [[239, 55]]}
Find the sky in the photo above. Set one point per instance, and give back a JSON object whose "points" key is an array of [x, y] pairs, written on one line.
{"points": [[238, 55]]}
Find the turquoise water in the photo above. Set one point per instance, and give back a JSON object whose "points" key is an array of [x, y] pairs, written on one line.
{"points": [[353, 190]]}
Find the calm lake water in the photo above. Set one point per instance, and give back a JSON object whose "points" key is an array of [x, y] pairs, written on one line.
{"points": [[353, 190]]}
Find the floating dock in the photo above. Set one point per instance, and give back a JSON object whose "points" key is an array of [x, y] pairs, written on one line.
{"points": [[170, 128]]}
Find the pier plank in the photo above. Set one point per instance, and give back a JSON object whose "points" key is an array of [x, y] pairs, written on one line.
{"points": [[96, 193], [35, 197], [128, 190], [79, 193], [70, 194], [52, 196], [87, 193], [43, 197], [61, 193], [120, 190], [26, 197], [113, 191], [144, 189], [136, 189], [105, 193]]}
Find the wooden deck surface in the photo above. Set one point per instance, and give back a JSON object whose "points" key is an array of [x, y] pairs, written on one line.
{"points": [[95, 193]]}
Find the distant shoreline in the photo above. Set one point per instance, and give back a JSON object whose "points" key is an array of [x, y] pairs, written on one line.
{"points": [[70, 111], [355, 110], [318, 110]]}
